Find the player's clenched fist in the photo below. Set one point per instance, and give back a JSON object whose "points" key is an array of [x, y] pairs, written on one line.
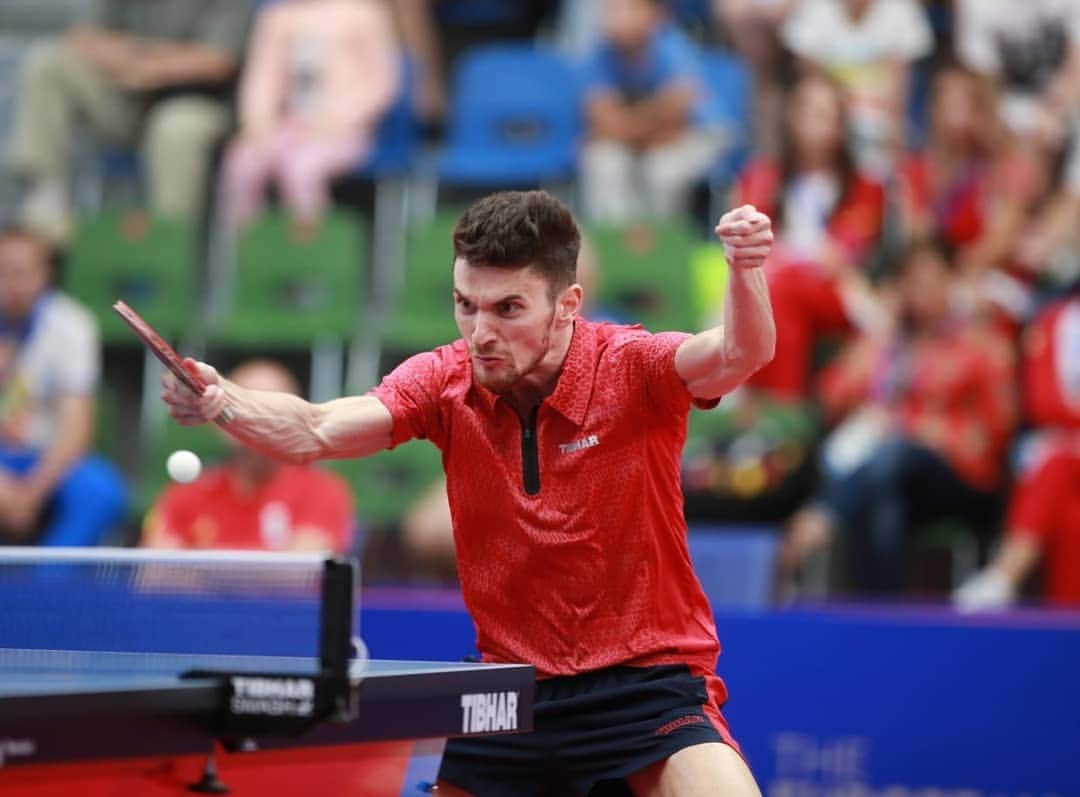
{"points": [[747, 236], [187, 408]]}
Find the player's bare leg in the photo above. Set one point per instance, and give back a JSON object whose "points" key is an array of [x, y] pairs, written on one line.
{"points": [[711, 768]]}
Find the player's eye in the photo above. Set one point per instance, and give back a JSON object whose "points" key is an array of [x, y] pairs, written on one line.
{"points": [[463, 304], [510, 308]]}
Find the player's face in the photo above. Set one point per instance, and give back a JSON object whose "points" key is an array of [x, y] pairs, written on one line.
{"points": [[507, 317]]}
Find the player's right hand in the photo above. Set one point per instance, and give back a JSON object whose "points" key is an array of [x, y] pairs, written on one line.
{"points": [[187, 408]]}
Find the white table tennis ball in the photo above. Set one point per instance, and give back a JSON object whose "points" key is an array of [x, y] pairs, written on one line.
{"points": [[183, 466]]}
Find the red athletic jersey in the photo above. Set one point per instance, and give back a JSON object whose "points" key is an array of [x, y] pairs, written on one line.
{"points": [[581, 563], [1051, 373], [1046, 504], [214, 512]]}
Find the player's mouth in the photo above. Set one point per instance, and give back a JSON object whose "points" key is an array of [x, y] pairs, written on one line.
{"points": [[487, 360]]}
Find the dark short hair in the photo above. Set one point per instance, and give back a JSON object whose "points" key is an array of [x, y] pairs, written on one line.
{"points": [[518, 229]]}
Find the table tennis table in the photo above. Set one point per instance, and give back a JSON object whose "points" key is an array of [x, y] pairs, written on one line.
{"points": [[154, 722]]}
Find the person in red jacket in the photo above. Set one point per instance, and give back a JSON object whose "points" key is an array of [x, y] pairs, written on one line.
{"points": [[1043, 521], [829, 219], [925, 415], [253, 502]]}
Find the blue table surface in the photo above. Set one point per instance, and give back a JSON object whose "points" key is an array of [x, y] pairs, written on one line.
{"points": [[39, 672]]}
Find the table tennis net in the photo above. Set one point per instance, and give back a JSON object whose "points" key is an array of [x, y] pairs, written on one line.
{"points": [[128, 601]]}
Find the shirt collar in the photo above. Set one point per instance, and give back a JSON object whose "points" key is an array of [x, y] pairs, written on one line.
{"points": [[574, 386]]}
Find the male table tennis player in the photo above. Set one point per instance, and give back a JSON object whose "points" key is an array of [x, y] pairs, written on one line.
{"points": [[561, 441]]}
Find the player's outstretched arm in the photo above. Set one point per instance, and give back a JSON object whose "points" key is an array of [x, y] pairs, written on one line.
{"points": [[718, 360], [281, 425]]}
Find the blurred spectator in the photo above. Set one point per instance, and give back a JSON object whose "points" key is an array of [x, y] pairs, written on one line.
{"points": [[1043, 521], [306, 116], [146, 72], [927, 412], [868, 46], [1032, 51], [52, 491], [253, 502], [752, 29], [828, 219], [947, 189], [649, 114]]}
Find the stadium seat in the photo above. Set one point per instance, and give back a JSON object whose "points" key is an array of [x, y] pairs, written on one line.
{"points": [[735, 564], [645, 274], [149, 262], [289, 293], [515, 119], [398, 136], [423, 313], [387, 484], [731, 84], [285, 292]]}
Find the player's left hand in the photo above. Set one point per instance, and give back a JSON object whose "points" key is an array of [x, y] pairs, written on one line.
{"points": [[747, 236]]}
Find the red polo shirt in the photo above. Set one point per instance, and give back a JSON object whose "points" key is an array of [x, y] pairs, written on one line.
{"points": [[577, 559]]}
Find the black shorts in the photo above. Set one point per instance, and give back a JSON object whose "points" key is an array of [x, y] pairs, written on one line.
{"points": [[589, 732]]}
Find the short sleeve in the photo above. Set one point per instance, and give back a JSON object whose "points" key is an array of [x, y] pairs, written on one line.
{"points": [[909, 32], [78, 368], [653, 357], [807, 28], [411, 394], [975, 41]]}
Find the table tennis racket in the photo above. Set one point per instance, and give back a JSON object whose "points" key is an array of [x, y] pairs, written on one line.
{"points": [[160, 348]]}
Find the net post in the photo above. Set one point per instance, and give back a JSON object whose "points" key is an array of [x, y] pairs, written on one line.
{"points": [[336, 618]]}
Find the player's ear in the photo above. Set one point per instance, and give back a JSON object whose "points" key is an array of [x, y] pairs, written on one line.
{"points": [[569, 303]]}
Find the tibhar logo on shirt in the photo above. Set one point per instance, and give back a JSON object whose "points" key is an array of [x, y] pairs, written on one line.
{"points": [[489, 711], [578, 445]]}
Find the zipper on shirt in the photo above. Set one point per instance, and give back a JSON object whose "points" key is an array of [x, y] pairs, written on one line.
{"points": [[530, 458]]}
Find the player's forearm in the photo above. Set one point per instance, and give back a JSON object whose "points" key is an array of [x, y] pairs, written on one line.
{"points": [[718, 360], [287, 428]]}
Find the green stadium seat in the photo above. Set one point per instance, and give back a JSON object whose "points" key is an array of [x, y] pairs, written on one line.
{"points": [[148, 262], [288, 293], [645, 273], [386, 484], [423, 312]]}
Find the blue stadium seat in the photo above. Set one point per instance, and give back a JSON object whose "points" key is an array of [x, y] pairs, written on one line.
{"points": [[398, 136], [515, 119], [732, 87], [735, 564]]}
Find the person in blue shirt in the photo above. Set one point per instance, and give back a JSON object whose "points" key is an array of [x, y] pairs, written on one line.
{"points": [[53, 489], [653, 125]]}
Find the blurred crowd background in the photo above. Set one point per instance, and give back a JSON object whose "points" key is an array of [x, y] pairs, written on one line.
{"points": [[272, 184]]}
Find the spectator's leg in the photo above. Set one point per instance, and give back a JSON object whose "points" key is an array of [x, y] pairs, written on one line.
{"points": [[908, 484], [246, 169], [90, 501], [670, 172], [305, 173], [179, 139], [56, 91], [608, 186]]}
